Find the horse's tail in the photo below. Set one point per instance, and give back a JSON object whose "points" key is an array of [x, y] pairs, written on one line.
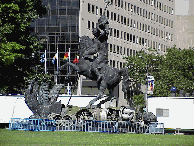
{"points": [[125, 83]]}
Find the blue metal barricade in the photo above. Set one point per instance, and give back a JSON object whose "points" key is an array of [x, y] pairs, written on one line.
{"points": [[32, 124], [86, 126], [101, 126], [156, 128]]}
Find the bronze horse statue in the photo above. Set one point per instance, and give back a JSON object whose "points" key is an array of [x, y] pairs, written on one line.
{"points": [[111, 76]]}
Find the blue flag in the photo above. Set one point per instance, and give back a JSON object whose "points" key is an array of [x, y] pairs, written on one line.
{"points": [[43, 58], [54, 58]]}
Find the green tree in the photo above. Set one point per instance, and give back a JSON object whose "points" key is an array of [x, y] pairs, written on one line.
{"points": [[175, 68], [16, 42]]}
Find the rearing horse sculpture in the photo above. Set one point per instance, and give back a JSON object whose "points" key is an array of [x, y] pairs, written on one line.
{"points": [[111, 76]]}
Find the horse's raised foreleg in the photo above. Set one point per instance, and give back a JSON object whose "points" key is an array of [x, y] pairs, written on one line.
{"points": [[74, 66], [103, 87]]}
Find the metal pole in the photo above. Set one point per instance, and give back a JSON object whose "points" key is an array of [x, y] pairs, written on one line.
{"points": [[45, 61], [69, 91], [147, 91]]}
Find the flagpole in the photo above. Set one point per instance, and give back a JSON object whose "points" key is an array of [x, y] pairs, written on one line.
{"points": [[45, 61], [69, 91], [57, 68]]}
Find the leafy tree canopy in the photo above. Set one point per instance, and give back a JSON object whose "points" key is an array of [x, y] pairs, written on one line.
{"points": [[16, 42], [175, 68]]}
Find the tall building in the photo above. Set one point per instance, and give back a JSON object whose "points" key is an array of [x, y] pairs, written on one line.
{"points": [[134, 25]]}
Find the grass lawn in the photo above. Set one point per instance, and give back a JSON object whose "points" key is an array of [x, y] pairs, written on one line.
{"points": [[88, 138]]}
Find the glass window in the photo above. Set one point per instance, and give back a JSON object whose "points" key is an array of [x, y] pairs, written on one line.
{"points": [[138, 10], [110, 31], [88, 25], [118, 18], [100, 11], [135, 9], [133, 38], [121, 50], [131, 24], [114, 32], [124, 35], [130, 37], [142, 27], [143, 12], [110, 47], [127, 21], [93, 9], [129, 6], [127, 51], [127, 36], [162, 112], [146, 14], [92, 25], [96, 10], [171, 24], [142, 41], [113, 63]]}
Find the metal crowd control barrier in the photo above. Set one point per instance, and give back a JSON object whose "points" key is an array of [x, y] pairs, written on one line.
{"points": [[128, 127], [69, 125], [32, 124], [101, 126], [86, 126], [156, 128]]}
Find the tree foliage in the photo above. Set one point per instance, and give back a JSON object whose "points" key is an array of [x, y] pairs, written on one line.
{"points": [[175, 68], [16, 42]]}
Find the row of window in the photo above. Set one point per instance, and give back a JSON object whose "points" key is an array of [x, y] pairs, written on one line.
{"points": [[126, 21], [153, 3], [116, 64], [140, 26], [129, 52], [154, 31]]}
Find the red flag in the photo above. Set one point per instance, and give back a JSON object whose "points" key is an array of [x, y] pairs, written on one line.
{"points": [[75, 60], [66, 56]]}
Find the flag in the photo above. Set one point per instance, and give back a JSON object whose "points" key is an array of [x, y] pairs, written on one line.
{"points": [[76, 60], [65, 57], [54, 58], [42, 58]]}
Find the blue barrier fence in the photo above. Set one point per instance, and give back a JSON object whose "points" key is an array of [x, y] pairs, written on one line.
{"points": [[86, 126], [32, 124]]}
